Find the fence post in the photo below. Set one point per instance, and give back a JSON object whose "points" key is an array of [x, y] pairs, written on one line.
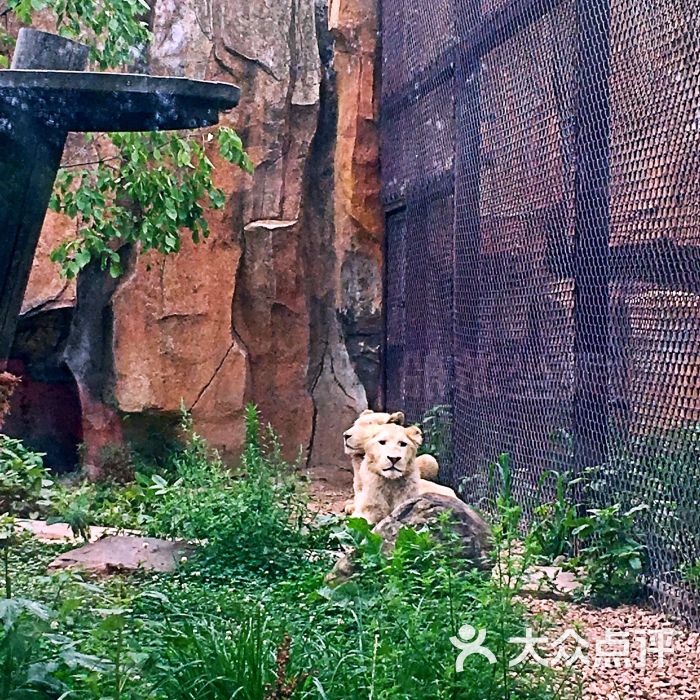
{"points": [[592, 237]]}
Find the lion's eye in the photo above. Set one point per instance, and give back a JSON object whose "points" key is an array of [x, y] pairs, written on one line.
{"points": [[403, 444], [382, 442]]}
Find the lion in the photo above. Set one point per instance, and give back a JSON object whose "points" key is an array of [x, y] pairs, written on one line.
{"points": [[366, 425], [363, 429], [388, 471]]}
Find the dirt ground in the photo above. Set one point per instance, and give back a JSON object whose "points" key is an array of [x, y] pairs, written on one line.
{"points": [[623, 660], [329, 487]]}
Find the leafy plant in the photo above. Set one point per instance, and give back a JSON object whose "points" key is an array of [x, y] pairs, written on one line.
{"points": [[551, 530], [155, 186], [603, 543], [436, 425], [661, 471], [610, 553], [26, 670], [25, 486], [76, 512]]}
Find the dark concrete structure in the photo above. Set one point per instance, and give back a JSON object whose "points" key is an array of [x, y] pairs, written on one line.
{"points": [[43, 97]]}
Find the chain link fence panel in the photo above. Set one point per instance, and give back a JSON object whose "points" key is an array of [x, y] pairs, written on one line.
{"points": [[541, 182]]}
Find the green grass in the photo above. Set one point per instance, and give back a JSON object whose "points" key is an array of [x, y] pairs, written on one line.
{"points": [[250, 616]]}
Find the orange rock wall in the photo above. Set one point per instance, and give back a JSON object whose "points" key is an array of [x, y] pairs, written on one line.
{"points": [[281, 305]]}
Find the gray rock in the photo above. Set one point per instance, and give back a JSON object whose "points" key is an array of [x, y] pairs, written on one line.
{"points": [[473, 535], [119, 554]]}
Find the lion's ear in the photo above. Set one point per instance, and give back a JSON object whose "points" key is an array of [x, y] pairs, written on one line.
{"points": [[397, 418], [414, 434], [366, 412]]}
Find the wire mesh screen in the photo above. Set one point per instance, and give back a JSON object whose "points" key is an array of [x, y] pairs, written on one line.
{"points": [[541, 178]]}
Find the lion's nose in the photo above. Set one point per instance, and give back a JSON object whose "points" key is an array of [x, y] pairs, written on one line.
{"points": [[346, 436], [393, 460]]}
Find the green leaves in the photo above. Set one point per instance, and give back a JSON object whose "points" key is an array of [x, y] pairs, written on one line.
{"points": [[118, 28], [25, 486], [551, 529], [231, 149], [12, 608], [157, 186], [610, 553]]}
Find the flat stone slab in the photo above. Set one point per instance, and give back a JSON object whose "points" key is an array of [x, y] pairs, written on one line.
{"points": [[550, 582], [61, 532], [122, 554]]}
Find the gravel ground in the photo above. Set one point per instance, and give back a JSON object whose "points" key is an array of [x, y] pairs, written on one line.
{"points": [[616, 668]]}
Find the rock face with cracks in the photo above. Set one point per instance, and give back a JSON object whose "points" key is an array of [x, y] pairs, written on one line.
{"points": [[281, 305]]}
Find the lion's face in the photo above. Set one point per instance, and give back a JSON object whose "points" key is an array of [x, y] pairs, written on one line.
{"points": [[391, 452], [365, 427]]}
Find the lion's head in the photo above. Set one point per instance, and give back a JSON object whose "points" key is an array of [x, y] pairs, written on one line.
{"points": [[365, 427], [391, 451]]}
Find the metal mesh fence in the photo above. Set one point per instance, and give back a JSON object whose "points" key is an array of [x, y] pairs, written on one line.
{"points": [[541, 180]]}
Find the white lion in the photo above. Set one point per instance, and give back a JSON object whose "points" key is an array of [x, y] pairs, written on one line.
{"points": [[388, 471], [356, 438]]}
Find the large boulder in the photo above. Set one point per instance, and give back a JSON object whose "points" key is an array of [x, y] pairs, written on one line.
{"points": [[427, 511], [473, 535]]}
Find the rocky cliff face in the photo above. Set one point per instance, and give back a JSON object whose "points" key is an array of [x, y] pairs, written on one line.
{"points": [[281, 305]]}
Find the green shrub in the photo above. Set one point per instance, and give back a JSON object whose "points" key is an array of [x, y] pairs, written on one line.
{"points": [[254, 518], [553, 522], [603, 542], [610, 554], [26, 488], [219, 627]]}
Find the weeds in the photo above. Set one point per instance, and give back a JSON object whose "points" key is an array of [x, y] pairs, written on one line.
{"points": [[610, 554], [26, 488], [553, 522], [254, 519], [602, 543], [206, 661], [249, 616]]}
